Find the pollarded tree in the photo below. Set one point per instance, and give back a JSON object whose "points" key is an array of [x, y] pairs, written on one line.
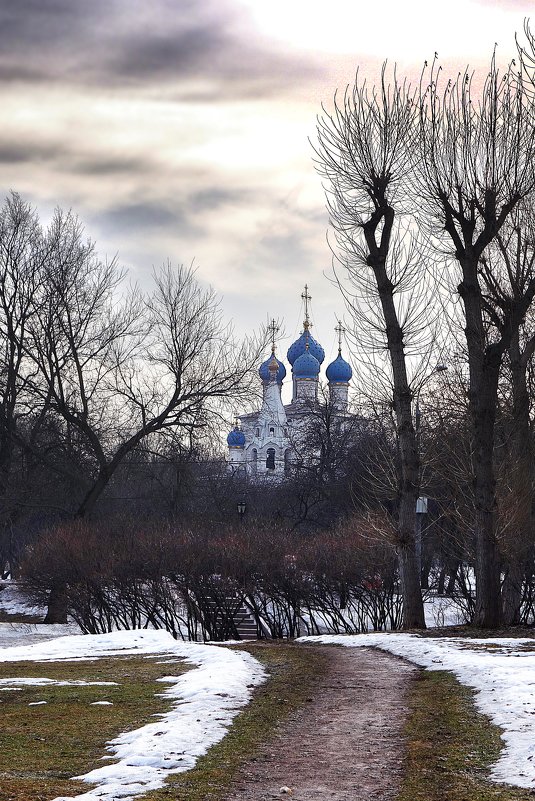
{"points": [[508, 272], [365, 153], [477, 162]]}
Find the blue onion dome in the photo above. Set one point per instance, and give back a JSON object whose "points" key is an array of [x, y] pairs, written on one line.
{"points": [[236, 438], [339, 371], [306, 366], [263, 370], [299, 346]]}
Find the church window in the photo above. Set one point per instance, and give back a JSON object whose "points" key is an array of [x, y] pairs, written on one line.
{"points": [[254, 460], [270, 459], [285, 432], [271, 430], [257, 432]]}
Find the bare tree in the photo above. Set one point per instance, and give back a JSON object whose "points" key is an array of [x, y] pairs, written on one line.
{"points": [[508, 271], [365, 153], [113, 368], [476, 164], [22, 254]]}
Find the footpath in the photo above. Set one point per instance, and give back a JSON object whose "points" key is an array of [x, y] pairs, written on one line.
{"points": [[345, 744]]}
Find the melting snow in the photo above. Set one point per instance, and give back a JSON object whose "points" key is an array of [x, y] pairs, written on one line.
{"points": [[204, 702]]}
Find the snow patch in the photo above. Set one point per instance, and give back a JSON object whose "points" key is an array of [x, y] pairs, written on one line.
{"points": [[205, 701]]}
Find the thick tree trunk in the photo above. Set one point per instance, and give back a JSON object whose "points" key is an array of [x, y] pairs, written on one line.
{"points": [[484, 389], [88, 503], [57, 605], [413, 609], [484, 363], [519, 543], [512, 593]]}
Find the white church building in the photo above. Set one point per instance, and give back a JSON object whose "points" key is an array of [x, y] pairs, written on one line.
{"points": [[266, 443]]}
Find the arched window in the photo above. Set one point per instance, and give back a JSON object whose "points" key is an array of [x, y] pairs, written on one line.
{"points": [[272, 430], [254, 460], [270, 459], [257, 432]]}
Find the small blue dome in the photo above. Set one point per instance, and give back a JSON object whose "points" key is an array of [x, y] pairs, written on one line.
{"points": [[306, 366], [339, 371], [263, 371], [236, 438], [299, 347]]}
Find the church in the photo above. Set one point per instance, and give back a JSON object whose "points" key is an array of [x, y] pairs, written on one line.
{"points": [[266, 444]]}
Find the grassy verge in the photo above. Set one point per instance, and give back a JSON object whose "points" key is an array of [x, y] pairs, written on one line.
{"points": [[294, 672], [450, 746], [41, 746]]}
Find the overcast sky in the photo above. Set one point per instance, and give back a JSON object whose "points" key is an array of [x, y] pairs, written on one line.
{"points": [[179, 128]]}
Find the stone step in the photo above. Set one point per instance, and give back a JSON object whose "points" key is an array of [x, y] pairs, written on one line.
{"points": [[243, 619]]}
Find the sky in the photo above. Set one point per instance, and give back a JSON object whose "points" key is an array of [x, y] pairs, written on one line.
{"points": [[182, 129]]}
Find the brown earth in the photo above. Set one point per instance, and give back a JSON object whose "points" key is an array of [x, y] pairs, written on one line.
{"points": [[345, 744]]}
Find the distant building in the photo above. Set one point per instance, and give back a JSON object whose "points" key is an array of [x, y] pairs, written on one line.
{"points": [[265, 444]]}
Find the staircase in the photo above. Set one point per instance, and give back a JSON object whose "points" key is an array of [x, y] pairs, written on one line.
{"points": [[245, 624], [242, 618]]}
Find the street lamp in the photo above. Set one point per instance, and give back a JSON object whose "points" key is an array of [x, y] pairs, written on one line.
{"points": [[242, 508]]}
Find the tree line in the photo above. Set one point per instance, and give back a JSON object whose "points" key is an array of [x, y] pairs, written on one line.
{"points": [[110, 398], [430, 191], [95, 374]]}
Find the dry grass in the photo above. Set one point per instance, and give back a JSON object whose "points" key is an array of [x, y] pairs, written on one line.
{"points": [[42, 746], [451, 746]]}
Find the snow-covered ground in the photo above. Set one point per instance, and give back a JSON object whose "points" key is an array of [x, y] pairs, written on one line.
{"points": [[204, 702], [14, 601], [501, 671], [441, 611]]}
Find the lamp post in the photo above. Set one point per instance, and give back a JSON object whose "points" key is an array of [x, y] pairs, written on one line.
{"points": [[242, 508], [421, 501]]}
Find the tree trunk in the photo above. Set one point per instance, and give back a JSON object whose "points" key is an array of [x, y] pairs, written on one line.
{"points": [[413, 608], [487, 563], [57, 605], [519, 543], [484, 362], [512, 593]]}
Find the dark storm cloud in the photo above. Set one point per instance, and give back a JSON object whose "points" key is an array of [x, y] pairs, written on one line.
{"points": [[204, 53], [67, 158], [119, 44], [213, 198], [163, 55], [24, 152], [39, 40], [145, 216], [140, 215], [109, 165], [33, 23]]}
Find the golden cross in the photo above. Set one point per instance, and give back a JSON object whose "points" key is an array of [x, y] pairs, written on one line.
{"points": [[339, 330], [306, 297], [274, 329]]}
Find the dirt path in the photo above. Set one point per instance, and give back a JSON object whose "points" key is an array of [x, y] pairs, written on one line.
{"points": [[345, 745]]}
